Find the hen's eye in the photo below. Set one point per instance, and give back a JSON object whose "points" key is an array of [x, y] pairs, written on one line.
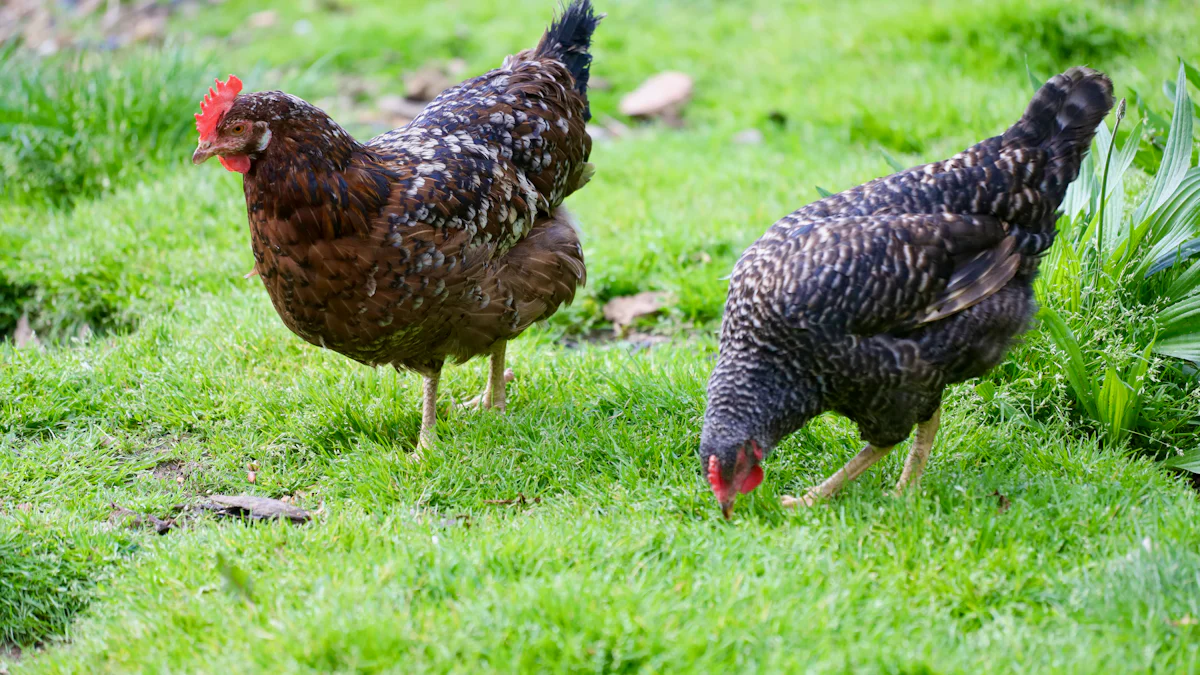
{"points": [[238, 128]]}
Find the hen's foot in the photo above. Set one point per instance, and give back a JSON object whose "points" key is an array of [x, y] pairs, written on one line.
{"points": [[486, 399], [806, 500]]}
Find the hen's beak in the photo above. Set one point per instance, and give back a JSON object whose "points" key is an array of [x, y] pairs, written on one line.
{"points": [[727, 508], [203, 152]]}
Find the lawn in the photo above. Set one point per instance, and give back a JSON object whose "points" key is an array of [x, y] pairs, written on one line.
{"points": [[573, 533]]}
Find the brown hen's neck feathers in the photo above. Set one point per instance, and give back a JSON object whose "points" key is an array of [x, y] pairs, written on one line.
{"points": [[312, 174]]}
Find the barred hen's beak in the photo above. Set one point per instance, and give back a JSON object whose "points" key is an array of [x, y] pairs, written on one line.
{"points": [[203, 152], [727, 508]]}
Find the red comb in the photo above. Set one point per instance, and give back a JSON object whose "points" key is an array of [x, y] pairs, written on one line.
{"points": [[215, 105], [714, 474]]}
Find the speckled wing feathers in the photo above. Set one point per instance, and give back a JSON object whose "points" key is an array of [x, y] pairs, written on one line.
{"points": [[440, 238], [868, 274]]}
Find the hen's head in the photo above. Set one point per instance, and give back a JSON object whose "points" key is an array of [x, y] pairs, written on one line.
{"points": [[238, 128], [731, 464]]}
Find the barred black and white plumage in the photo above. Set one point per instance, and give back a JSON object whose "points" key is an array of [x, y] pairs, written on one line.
{"points": [[870, 302]]}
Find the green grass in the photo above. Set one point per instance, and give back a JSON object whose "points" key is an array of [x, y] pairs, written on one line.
{"points": [[1031, 548]]}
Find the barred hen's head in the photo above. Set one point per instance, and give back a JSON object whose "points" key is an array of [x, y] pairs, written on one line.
{"points": [[731, 465]]}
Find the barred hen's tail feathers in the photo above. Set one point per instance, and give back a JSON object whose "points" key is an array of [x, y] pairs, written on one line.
{"points": [[568, 40], [1061, 119]]}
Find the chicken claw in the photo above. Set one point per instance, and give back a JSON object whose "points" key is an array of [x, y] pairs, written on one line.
{"points": [[809, 498]]}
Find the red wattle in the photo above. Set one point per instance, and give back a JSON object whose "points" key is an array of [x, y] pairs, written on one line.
{"points": [[752, 480], [714, 475], [238, 163]]}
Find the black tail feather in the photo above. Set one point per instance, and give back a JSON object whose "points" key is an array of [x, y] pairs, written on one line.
{"points": [[1061, 119], [568, 40]]}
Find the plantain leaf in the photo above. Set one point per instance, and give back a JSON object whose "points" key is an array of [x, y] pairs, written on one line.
{"points": [[1076, 367], [1174, 222], [1188, 461], [1177, 156], [1185, 284], [1172, 258], [1112, 405], [1181, 317], [1186, 347], [1193, 75]]}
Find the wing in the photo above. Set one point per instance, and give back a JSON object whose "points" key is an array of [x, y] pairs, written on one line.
{"points": [[867, 275], [491, 155]]}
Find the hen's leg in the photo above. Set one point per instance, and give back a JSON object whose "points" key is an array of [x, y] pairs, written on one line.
{"points": [[853, 469], [914, 466], [495, 394], [429, 409]]}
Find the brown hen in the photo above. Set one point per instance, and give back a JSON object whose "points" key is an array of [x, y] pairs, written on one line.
{"points": [[442, 239]]}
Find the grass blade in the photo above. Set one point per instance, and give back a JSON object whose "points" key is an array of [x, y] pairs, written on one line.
{"points": [[893, 162]]}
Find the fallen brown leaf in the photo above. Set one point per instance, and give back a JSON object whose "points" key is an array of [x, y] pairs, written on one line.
{"points": [[662, 95], [623, 310], [253, 508]]}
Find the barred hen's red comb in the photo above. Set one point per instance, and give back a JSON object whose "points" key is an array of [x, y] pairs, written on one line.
{"points": [[215, 105]]}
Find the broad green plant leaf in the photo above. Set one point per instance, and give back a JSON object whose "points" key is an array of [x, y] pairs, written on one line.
{"points": [[1076, 366], [1189, 461], [1177, 156]]}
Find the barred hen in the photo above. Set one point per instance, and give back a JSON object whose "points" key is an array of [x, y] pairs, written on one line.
{"points": [[870, 302], [442, 239]]}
